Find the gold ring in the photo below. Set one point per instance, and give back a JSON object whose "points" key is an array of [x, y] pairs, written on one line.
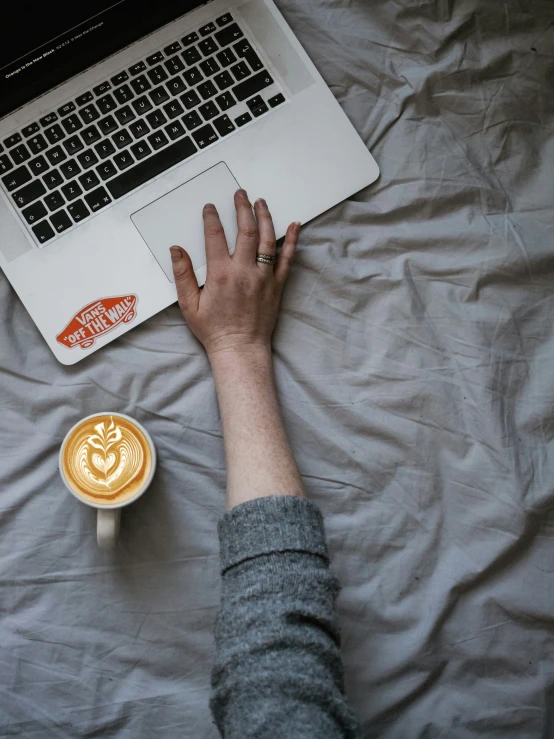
{"points": [[267, 259]]}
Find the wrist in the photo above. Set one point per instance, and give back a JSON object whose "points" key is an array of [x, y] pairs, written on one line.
{"points": [[245, 359]]}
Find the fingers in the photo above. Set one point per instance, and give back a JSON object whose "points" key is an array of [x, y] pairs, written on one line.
{"points": [[247, 239], [266, 230], [286, 257], [188, 292], [217, 250]]}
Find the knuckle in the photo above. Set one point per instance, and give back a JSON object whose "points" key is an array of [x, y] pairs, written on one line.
{"points": [[215, 230], [250, 231]]}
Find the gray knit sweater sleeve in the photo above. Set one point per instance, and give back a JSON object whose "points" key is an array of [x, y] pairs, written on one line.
{"points": [[278, 670]]}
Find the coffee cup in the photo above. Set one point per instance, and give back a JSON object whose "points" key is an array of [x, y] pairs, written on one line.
{"points": [[107, 461]]}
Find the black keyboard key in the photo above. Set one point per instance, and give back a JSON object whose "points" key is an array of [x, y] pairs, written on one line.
{"points": [[37, 144], [34, 212], [174, 65], [191, 56], [257, 106], [54, 134], [43, 232], [30, 130], [245, 51], [28, 193], [156, 119], [89, 114], [243, 119], [123, 94], [175, 130], [190, 99], [139, 129], [193, 76], [225, 101], [207, 29], [141, 149], [209, 67], [122, 139], [85, 98], [119, 79], [54, 200], [190, 39], [12, 140], [151, 167], [70, 169], [192, 120], [5, 164], [226, 57], [157, 75], [107, 125], [137, 68], [78, 211], [87, 159], [101, 89], [159, 95], [209, 110], [73, 145], [207, 90], [276, 100], [72, 124], [66, 109], [17, 178], [52, 179], [106, 104], [89, 180], [20, 154], [176, 86], [228, 34], [124, 115], [123, 160], [104, 149], [39, 165], [90, 135], [172, 49], [157, 140], [154, 58], [56, 155], [61, 221], [208, 46], [224, 19], [140, 84], [205, 136], [173, 109], [106, 170], [97, 199], [72, 190], [48, 120], [224, 125], [142, 105], [224, 80], [240, 71], [253, 85]]}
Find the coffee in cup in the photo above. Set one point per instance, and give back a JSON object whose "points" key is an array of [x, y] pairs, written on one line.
{"points": [[107, 461]]}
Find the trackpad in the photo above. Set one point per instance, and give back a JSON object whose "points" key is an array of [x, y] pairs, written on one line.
{"points": [[176, 218]]}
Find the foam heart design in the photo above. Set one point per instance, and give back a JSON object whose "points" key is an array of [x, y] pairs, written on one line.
{"points": [[104, 465]]}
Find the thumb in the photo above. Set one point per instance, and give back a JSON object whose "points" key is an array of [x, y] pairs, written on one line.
{"points": [[188, 292]]}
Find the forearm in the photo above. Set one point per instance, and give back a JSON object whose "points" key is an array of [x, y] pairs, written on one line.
{"points": [[259, 458]]}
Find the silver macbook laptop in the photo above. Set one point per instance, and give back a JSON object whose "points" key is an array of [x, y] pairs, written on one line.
{"points": [[119, 120]]}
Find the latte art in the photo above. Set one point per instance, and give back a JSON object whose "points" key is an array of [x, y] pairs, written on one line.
{"points": [[106, 460]]}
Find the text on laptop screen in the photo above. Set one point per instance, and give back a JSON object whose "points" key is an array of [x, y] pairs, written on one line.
{"points": [[44, 44]]}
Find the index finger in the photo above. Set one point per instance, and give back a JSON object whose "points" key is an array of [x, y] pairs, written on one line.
{"points": [[217, 250]]}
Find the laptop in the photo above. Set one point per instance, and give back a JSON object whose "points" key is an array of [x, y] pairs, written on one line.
{"points": [[120, 120]]}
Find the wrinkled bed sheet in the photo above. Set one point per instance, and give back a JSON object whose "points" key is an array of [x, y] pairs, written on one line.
{"points": [[414, 360]]}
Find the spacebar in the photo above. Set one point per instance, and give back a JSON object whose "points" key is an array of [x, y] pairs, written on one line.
{"points": [[150, 168]]}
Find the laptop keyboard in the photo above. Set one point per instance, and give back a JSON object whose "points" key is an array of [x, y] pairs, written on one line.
{"points": [[112, 139]]}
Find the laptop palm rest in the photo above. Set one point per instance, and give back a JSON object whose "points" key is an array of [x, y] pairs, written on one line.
{"points": [[176, 218]]}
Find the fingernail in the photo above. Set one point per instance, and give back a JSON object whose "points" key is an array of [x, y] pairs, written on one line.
{"points": [[261, 202], [175, 253], [242, 193], [297, 227], [209, 206]]}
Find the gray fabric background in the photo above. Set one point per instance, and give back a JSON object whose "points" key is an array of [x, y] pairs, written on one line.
{"points": [[414, 359]]}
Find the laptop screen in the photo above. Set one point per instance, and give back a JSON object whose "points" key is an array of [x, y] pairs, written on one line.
{"points": [[45, 43]]}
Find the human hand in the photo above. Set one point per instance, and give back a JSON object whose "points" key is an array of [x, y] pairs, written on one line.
{"points": [[237, 309]]}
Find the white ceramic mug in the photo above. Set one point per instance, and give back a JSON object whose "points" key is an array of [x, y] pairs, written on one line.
{"points": [[109, 516]]}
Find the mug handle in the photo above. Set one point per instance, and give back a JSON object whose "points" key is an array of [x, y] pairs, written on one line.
{"points": [[107, 528]]}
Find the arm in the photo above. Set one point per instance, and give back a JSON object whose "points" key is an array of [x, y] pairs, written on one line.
{"points": [[278, 670]]}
